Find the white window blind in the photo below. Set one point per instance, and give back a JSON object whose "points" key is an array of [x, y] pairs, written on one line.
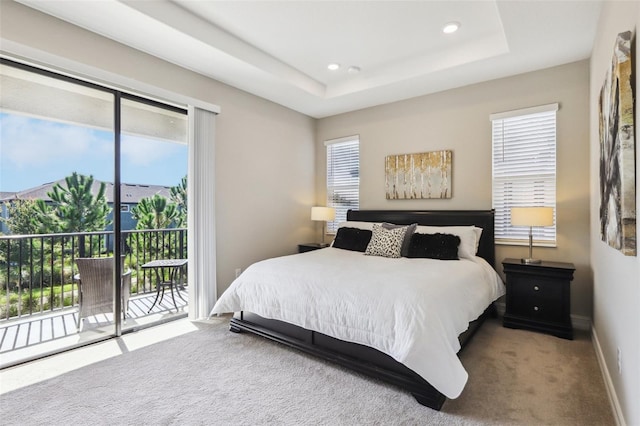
{"points": [[524, 170], [343, 177]]}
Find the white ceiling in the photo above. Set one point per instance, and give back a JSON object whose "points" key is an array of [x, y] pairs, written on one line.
{"points": [[280, 50]]}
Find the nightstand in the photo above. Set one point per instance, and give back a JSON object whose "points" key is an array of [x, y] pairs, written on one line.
{"points": [[539, 297], [310, 246]]}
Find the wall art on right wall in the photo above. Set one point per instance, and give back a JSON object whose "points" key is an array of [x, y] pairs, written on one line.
{"points": [[617, 152]]}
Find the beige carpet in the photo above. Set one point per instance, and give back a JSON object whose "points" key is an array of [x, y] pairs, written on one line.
{"points": [[214, 377]]}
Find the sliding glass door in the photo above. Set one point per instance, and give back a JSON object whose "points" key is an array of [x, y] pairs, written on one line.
{"points": [[56, 182], [154, 209], [92, 181]]}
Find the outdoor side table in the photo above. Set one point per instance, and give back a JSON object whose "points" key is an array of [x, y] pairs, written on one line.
{"points": [[174, 266]]}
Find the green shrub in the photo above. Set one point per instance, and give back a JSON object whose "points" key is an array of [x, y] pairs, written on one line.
{"points": [[29, 304], [13, 311]]}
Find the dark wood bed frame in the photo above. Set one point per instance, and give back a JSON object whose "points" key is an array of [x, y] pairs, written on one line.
{"points": [[364, 359]]}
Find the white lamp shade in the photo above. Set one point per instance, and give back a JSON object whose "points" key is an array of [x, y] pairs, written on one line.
{"points": [[532, 216], [323, 213]]}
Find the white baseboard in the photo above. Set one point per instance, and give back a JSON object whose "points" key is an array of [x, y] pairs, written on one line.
{"points": [[608, 383], [579, 322]]}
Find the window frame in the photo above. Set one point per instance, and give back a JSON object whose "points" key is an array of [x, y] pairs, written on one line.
{"points": [[345, 185], [522, 131]]}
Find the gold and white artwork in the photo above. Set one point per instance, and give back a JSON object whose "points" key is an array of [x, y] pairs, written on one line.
{"points": [[415, 176]]}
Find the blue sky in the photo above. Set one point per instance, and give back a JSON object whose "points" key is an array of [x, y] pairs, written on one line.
{"points": [[34, 151]]}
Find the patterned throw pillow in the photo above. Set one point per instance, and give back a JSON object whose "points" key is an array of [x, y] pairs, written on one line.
{"points": [[386, 242], [407, 236]]}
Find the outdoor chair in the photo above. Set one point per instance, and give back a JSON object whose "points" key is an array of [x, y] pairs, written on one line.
{"points": [[95, 283]]}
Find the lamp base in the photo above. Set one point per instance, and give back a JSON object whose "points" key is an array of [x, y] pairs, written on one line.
{"points": [[531, 261]]}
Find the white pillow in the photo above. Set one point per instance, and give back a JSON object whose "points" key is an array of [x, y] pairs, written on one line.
{"points": [[469, 237], [358, 225], [478, 232]]}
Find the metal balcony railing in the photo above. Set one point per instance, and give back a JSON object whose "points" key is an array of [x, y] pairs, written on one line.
{"points": [[37, 271]]}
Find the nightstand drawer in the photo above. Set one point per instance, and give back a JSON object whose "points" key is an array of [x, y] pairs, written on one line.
{"points": [[537, 308], [534, 287]]}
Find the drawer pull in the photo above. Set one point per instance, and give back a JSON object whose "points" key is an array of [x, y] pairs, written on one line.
{"points": [[536, 288], [535, 308]]}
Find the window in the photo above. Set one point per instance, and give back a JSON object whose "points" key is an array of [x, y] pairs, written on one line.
{"points": [[524, 170], [343, 177]]}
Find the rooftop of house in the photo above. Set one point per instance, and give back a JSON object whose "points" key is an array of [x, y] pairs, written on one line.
{"points": [[130, 193], [5, 194]]}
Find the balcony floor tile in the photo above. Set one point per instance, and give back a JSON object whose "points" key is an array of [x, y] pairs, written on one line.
{"points": [[40, 334]]}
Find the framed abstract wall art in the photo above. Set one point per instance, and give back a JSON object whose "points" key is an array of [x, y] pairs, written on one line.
{"points": [[617, 152], [415, 176]]}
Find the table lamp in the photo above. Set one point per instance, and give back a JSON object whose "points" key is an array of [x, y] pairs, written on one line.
{"points": [[323, 214], [531, 216]]}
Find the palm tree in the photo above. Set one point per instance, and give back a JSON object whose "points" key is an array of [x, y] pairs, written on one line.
{"points": [[179, 197], [76, 209], [154, 213]]}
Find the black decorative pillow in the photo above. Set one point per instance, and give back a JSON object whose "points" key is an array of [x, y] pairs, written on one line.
{"points": [[353, 239], [434, 246], [385, 242], [404, 250]]}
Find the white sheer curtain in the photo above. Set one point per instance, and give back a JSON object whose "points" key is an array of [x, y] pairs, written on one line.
{"points": [[201, 213]]}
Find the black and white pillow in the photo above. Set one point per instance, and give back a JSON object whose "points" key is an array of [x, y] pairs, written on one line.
{"points": [[407, 236], [386, 242]]}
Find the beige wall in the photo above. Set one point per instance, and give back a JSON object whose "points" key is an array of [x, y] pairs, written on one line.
{"points": [[265, 173], [616, 277], [459, 120]]}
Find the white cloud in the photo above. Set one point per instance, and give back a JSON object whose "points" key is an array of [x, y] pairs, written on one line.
{"points": [[34, 151], [144, 152], [26, 142]]}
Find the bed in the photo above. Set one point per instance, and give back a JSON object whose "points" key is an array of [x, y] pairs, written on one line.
{"points": [[378, 316]]}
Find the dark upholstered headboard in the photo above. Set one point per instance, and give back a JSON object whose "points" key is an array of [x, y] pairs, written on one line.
{"points": [[480, 218]]}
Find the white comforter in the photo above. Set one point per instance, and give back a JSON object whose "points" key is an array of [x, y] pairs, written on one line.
{"points": [[410, 309]]}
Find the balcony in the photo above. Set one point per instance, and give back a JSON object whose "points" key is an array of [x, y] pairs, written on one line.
{"points": [[39, 289]]}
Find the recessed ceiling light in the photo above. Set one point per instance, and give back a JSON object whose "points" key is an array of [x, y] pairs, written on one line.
{"points": [[353, 70], [333, 67], [451, 27]]}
